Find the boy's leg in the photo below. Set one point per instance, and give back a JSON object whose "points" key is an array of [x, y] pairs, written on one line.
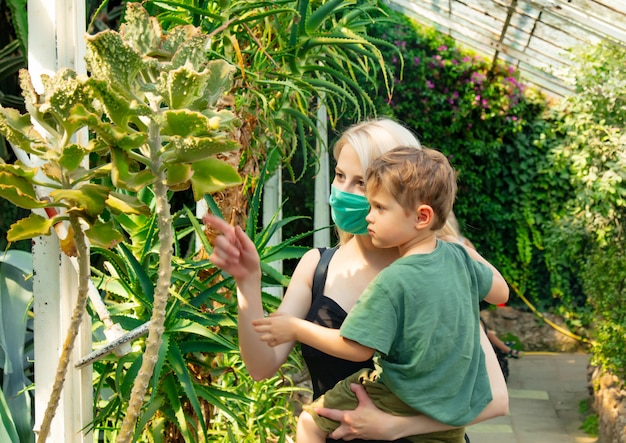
{"points": [[308, 431], [339, 396]]}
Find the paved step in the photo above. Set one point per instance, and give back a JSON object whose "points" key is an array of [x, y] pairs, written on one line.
{"points": [[545, 391]]}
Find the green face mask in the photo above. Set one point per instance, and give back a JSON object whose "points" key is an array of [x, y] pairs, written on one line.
{"points": [[349, 211]]}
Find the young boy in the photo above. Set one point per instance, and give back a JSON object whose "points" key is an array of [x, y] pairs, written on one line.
{"points": [[420, 314]]}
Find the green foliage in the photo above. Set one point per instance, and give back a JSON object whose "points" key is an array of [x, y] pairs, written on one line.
{"points": [[16, 347], [590, 423], [115, 103], [265, 412], [197, 388], [292, 56], [589, 150], [604, 278], [488, 123]]}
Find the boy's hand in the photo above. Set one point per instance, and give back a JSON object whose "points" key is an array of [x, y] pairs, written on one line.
{"points": [[276, 329]]}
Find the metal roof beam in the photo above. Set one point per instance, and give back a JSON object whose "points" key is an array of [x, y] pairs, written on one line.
{"points": [[585, 20]]}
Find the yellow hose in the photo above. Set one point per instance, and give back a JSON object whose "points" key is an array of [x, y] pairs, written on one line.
{"points": [[549, 322]]}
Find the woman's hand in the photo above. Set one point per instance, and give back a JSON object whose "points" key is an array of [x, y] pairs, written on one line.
{"points": [[233, 251], [365, 422]]}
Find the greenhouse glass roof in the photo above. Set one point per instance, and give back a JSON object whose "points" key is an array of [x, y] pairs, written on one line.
{"points": [[533, 35]]}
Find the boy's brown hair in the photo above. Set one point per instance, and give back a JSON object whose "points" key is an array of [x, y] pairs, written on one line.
{"points": [[415, 177]]}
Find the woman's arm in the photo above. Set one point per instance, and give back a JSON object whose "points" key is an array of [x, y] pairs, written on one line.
{"points": [[236, 254], [370, 423]]}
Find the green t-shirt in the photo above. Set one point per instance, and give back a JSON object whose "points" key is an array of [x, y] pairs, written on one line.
{"points": [[421, 315]]}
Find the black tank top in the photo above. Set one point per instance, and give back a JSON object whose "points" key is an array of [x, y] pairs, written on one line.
{"points": [[326, 370]]}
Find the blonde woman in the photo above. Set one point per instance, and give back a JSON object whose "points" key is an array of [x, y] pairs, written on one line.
{"points": [[350, 268]]}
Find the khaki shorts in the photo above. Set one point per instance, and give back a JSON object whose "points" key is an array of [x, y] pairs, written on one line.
{"points": [[341, 397]]}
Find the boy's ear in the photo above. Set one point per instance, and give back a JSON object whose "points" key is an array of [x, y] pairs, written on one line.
{"points": [[424, 217]]}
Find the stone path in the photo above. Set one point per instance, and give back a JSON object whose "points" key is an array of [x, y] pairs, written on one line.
{"points": [[545, 391]]}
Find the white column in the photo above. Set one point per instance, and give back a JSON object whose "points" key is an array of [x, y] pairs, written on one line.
{"points": [[272, 197], [56, 40], [321, 215]]}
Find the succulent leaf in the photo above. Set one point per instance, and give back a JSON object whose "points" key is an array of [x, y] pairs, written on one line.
{"points": [[32, 226], [212, 175]]}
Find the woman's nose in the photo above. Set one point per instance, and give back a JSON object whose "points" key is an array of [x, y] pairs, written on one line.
{"points": [[346, 187]]}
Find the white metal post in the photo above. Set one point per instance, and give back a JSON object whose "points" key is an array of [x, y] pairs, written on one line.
{"points": [[56, 40], [272, 198], [321, 215]]}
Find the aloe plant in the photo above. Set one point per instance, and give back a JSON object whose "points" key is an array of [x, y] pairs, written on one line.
{"points": [[152, 102], [16, 342], [190, 396], [293, 56]]}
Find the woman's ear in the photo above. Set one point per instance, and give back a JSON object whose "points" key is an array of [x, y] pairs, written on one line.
{"points": [[424, 217]]}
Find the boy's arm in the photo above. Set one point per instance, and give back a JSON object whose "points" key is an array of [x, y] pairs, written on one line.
{"points": [[370, 423], [499, 292], [281, 328]]}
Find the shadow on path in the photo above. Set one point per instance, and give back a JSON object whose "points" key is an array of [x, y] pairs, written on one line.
{"points": [[545, 391]]}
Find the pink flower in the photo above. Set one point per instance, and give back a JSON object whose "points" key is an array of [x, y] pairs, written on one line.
{"points": [[430, 84], [442, 48]]}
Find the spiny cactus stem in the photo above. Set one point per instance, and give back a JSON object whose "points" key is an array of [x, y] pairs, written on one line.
{"points": [[77, 318], [161, 295]]}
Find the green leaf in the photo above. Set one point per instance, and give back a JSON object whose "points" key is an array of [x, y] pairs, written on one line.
{"points": [[126, 204], [72, 156], [170, 387], [188, 123], [64, 92], [105, 235], [89, 198], [112, 60], [16, 187], [321, 14], [212, 175], [274, 275], [213, 396], [213, 207], [182, 87], [162, 358], [140, 31], [145, 282], [32, 226], [183, 325], [122, 175], [219, 81], [7, 427], [199, 230], [118, 108], [20, 132], [178, 364], [178, 176], [192, 149], [16, 297]]}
